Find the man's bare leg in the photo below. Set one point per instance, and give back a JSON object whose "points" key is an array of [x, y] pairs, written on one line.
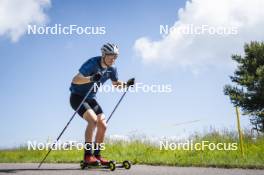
{"points": [[100, 134], [91, 119], [101, 128]]}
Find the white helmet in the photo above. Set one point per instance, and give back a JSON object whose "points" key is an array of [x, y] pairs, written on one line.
{"points": [[109, 49]]}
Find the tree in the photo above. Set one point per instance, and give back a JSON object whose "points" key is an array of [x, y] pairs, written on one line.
{"points": [[248, 89]]}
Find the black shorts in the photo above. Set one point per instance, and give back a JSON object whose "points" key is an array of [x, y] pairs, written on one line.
{"points": [[76, 100]]}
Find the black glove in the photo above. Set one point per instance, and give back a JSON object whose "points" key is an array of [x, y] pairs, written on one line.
{"points": [[96, 77], [130, 82]]}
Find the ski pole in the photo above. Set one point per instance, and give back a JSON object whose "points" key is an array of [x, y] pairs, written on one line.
{"points": [[117, 105]]}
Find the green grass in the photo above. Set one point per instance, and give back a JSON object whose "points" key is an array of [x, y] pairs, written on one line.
{"points": [[143, 152]]}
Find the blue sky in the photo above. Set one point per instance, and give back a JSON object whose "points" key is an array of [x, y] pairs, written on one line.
{"points": [[36, 71]]}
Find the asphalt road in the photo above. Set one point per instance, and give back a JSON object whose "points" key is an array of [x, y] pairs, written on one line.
{"points": [[57, 169]]}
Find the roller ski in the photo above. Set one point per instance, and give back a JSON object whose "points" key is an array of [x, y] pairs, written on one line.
{"points": [[92, 162], [125, 164], [97, 162]]}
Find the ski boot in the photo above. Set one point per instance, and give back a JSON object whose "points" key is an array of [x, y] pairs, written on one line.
{"points": [[89, 160], [102, 160]]}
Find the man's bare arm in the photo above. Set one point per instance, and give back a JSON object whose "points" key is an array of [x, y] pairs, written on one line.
{"points": [[80, 79], [119, 84]]}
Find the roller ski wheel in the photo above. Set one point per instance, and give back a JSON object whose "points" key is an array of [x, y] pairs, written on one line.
{"points": [[82, 165], [126, 164], [112, 165]]}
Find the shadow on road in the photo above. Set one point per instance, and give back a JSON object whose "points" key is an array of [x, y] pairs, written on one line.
{"points": [[49, 169]]}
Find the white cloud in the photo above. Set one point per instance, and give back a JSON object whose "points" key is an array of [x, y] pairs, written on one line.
{"points": [[196, 51], [15, 15]]}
